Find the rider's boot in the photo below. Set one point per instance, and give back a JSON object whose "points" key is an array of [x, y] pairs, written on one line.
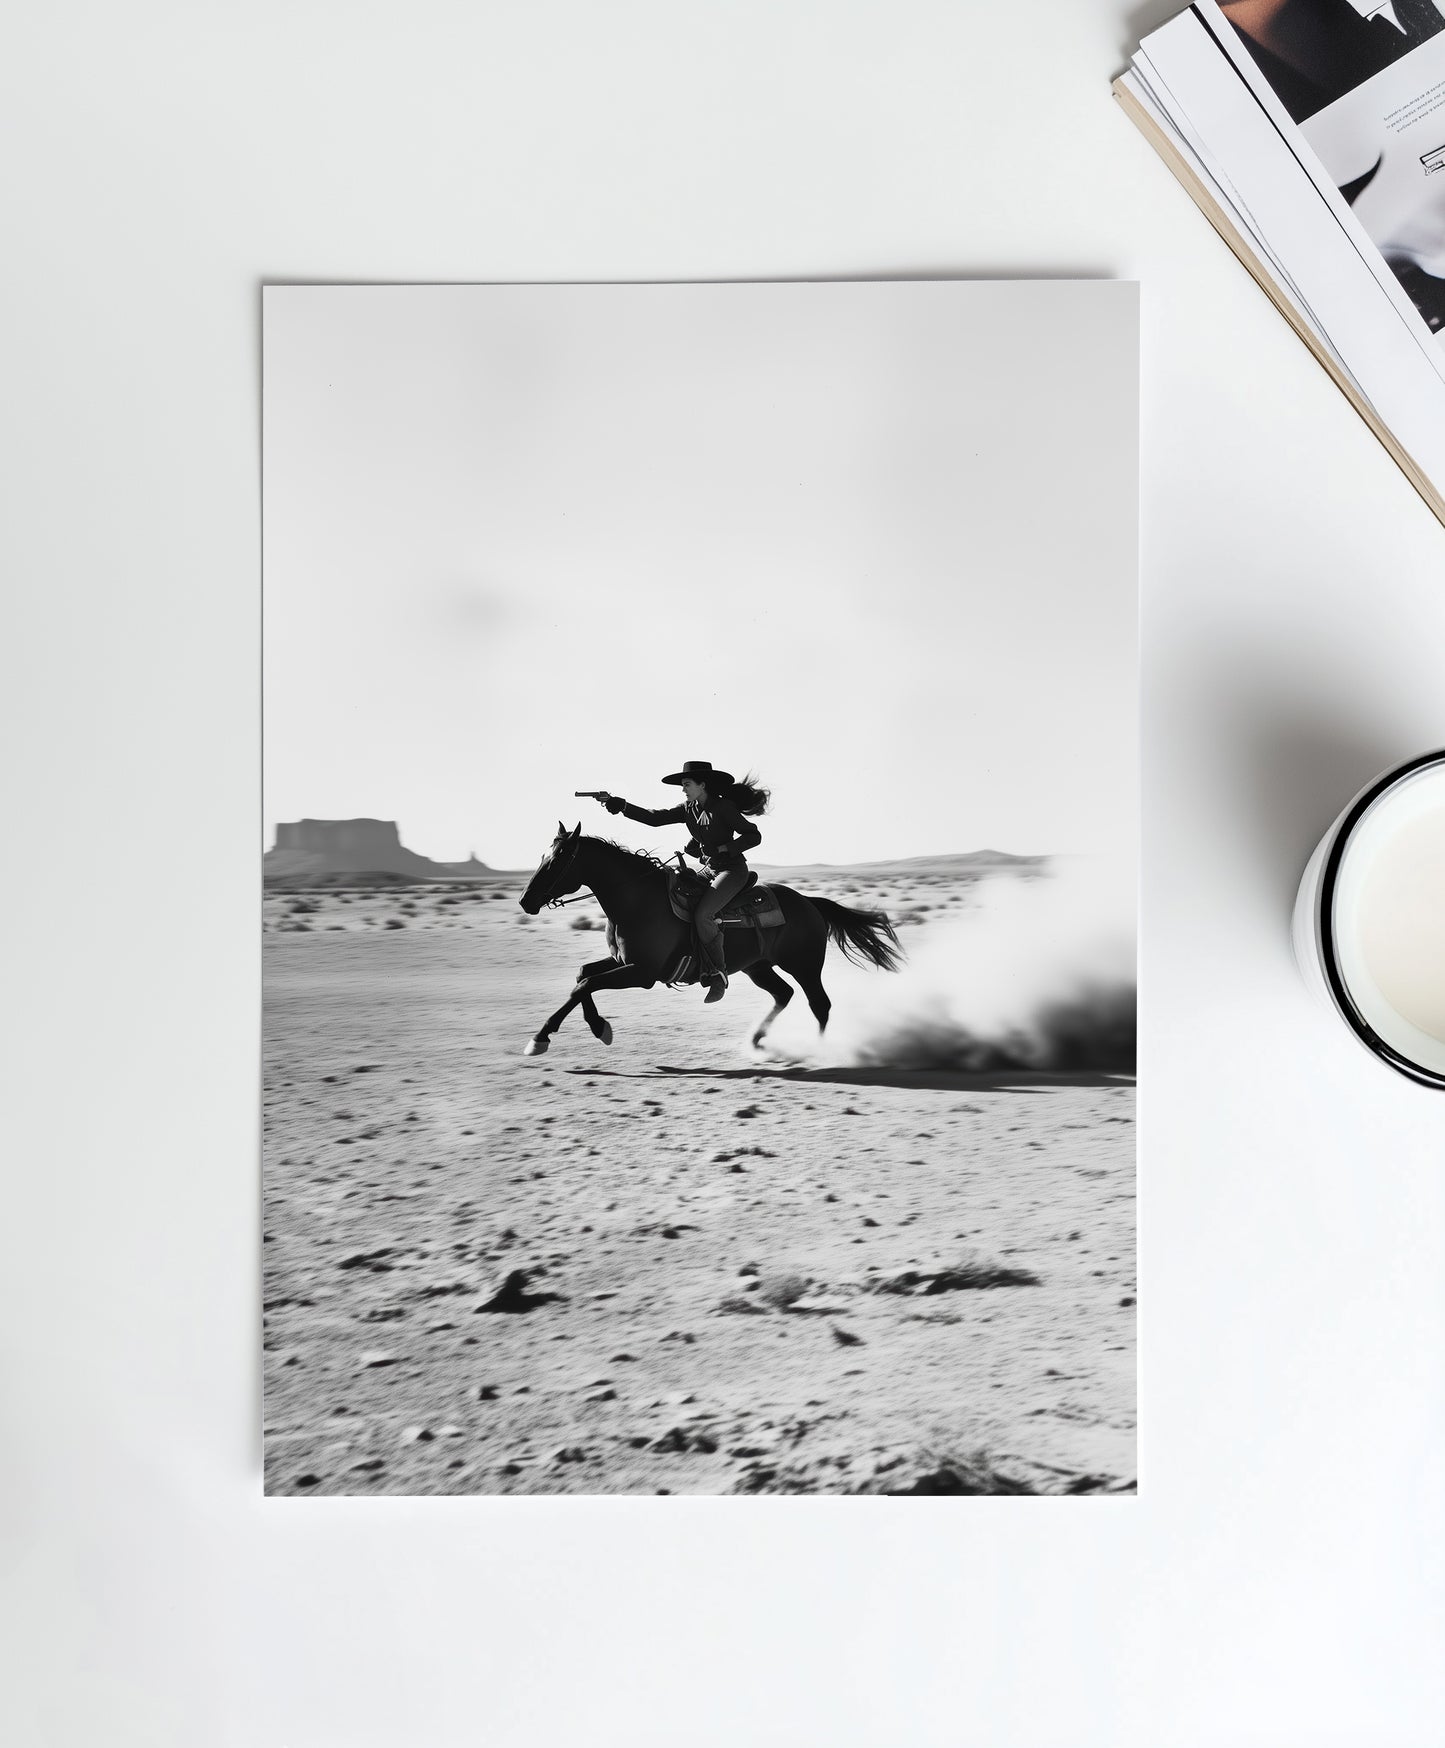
{"points": [[717, 977]]}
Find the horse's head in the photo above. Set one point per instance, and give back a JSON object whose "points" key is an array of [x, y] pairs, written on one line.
{"points": [[556, 872]]}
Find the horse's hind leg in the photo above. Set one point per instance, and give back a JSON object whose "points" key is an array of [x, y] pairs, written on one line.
{"points": [[811, 984], [803, 962], [768, 980]]}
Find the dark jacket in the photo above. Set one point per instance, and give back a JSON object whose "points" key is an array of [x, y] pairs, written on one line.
{"points": [[721, 832]]}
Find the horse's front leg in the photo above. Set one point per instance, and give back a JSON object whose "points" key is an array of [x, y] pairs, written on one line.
{"points": [[599, 1027], [541, 1040], [614, 976]]}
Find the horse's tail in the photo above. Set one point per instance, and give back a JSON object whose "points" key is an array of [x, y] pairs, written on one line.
{"points": [[866, 936]]}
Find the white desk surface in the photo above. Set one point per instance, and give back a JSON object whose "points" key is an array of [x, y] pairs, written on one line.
{"points": [[1281, 1578]]}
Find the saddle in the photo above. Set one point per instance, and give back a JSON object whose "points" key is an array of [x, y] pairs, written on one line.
{"points": [[754, 907]]}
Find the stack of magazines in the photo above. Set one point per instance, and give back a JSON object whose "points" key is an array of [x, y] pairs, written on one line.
{"points": [[1312, 134]]}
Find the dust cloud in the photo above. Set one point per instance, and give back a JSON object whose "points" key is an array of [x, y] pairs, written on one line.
{"points": [[1034, 974]]}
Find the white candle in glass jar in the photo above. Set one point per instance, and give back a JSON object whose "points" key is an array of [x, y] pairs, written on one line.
{"points": [[1370, 921]]}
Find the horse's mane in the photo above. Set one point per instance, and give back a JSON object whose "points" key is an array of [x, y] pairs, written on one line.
{"points": [[645, 856]]}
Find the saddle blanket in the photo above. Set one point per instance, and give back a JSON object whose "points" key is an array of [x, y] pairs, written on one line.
{"points": [[756, 908]]}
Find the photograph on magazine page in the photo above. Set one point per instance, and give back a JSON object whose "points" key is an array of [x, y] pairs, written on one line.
{"points": [[1366, 85], [1312, 52]]}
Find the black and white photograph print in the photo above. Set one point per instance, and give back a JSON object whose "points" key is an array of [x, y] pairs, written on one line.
{"points": [[699, 888]]}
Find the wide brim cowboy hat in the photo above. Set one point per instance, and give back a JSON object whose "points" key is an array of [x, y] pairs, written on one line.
{"points": [[700, 771]]}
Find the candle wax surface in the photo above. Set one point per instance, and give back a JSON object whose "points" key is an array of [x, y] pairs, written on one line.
{"points": [[1402, 921]]}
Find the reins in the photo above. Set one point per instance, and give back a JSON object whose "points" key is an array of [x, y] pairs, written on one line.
{"points": [[582, 897]]}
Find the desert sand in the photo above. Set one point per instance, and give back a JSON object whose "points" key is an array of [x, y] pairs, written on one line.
{"points": [[671, 1265]]}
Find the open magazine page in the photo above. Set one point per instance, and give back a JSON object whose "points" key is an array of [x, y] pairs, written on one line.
{"points": [[1358, 92], [1151, 110], [1386, 144], [1218, 152], [1149, 86], [1270, 184]]}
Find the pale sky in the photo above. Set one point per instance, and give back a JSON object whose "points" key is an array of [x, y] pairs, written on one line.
{"points": [[876, 541]]}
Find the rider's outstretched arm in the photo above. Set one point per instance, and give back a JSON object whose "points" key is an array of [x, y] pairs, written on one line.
{"points": [[646, 815]]}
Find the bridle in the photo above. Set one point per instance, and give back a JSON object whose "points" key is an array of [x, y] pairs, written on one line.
{"points": [[558, 873], [582, 897]]}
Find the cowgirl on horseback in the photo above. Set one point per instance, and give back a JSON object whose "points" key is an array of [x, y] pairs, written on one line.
{"points": [[715, 809]]}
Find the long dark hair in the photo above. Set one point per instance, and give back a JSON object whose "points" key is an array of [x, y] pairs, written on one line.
{"points": [[748, 795]]}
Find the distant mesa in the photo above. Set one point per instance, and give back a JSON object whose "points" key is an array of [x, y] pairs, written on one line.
{"points": [[368, 850]]}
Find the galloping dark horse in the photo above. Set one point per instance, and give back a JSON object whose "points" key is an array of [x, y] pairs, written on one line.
{"points": [[647, 940]]}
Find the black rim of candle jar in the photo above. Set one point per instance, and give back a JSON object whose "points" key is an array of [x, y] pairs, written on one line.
{"points": [[1361, 1027]]}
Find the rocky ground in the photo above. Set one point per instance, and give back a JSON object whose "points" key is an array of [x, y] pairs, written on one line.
{"points": [[667, 1267]]}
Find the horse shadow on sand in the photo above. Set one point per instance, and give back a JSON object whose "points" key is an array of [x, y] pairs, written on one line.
{"points": [[1012, 1080]]}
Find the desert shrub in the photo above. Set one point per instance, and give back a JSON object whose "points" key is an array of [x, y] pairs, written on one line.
{"points": [[970, 1272], [782, 1290], [395, 922], [975, 1474]]}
